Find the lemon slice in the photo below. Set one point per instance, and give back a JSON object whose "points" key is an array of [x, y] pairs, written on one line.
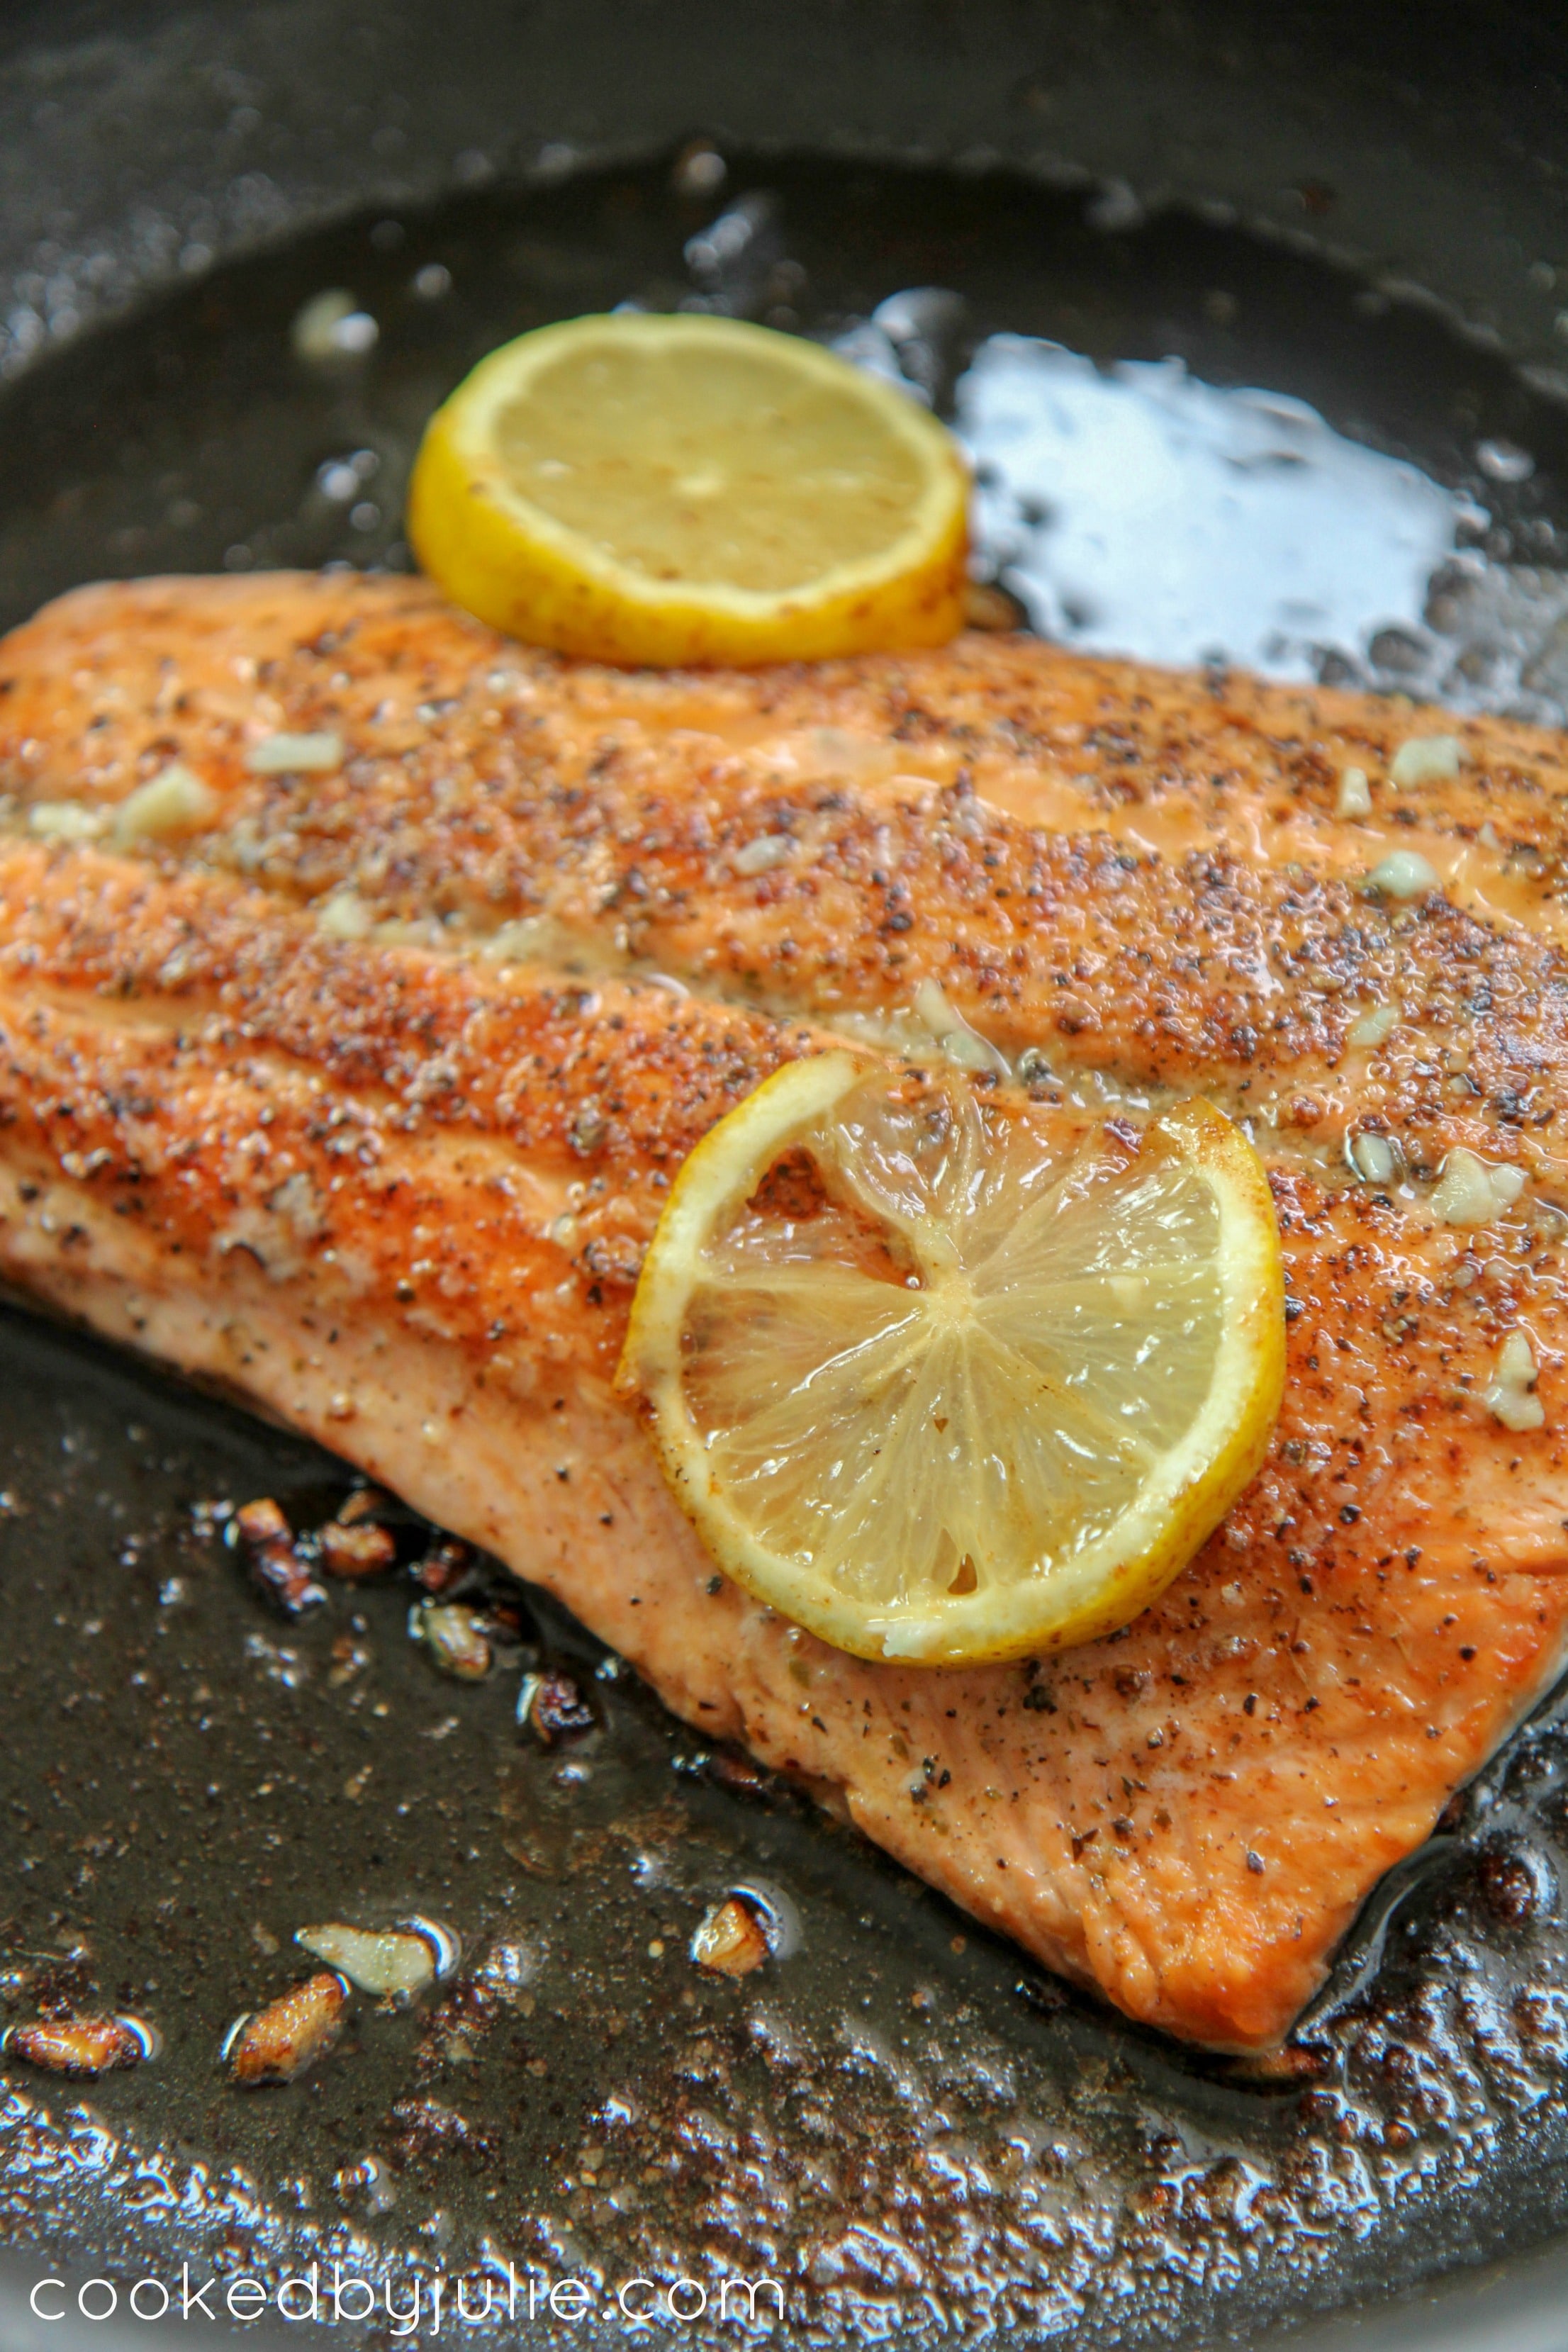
{"points": [[685, 489], [945, 1380]]}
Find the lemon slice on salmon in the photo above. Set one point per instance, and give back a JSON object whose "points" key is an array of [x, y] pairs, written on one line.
{"points": [[690, 490], [947, 1380]]}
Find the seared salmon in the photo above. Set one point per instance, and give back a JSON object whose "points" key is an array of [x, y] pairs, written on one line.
{"points": [[364, 979]]}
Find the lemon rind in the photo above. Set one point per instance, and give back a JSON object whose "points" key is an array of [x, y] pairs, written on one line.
{"points": [[1177, 1510]]}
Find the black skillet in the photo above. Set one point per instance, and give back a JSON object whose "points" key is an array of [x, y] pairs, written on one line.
{"points": [[911, 2129]]}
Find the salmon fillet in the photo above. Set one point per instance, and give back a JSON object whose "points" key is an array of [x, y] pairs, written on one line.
{"points": [[362, 1088]]}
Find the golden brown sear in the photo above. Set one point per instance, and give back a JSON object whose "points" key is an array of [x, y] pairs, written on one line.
{"points": [[364, 979]]}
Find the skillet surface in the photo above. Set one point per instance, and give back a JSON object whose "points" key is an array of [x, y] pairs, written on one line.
{"points": [[896, 2120]]}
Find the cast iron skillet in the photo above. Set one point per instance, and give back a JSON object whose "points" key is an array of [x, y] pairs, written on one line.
{"points": [[898, 2120]]}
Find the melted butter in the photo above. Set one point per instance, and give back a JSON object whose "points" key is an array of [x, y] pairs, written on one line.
{"points": [[1137, 510]]}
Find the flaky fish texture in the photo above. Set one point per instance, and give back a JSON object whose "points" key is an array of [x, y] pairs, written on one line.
{"points": [[355, 1073]]}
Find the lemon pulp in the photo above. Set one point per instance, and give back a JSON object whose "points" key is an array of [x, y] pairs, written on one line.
{"points": [[944, 1380], [689, 489]]}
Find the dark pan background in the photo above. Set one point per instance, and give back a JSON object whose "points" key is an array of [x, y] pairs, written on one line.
{"points": [[920, 2135]]}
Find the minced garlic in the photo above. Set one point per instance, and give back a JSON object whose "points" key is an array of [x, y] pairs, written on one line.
{"points": [[1507, 1394], [172, 802], [762, 854], [1403, 874], [1355, 794], [295, 755], [1375, 1028], [1470, 1192], [1426, 758], [65, 821], [344, 915], [1374, 1158]]}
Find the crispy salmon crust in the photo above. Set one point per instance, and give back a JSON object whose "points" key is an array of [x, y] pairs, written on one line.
{"points": [[364, 1091]]}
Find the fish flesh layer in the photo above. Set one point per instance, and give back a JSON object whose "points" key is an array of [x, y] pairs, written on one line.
{"points": [[364, 979]]}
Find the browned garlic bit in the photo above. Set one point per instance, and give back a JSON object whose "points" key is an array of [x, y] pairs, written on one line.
{"points": [[80, 2047], [728, 1768], [446, 1563], [551, 1706], [392, 1962], [455, 1636], [280, 2040], [364, 1503], [363, 1550], [729, 1940], [987, 605], [368, 2178], [268, 1543]]}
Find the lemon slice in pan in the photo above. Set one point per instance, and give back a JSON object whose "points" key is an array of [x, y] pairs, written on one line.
{"points": [[690, 490], [946, 1380]]}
